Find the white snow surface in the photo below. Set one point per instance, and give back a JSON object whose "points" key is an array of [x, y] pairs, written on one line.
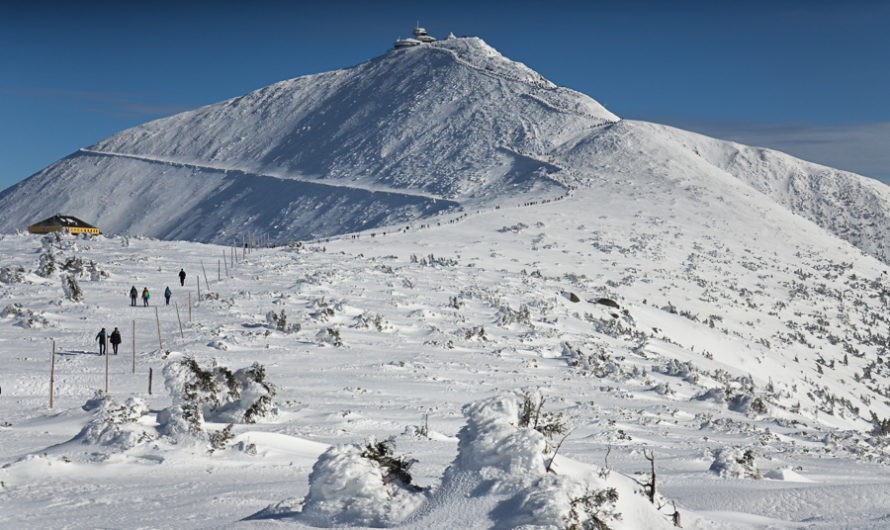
{"points": [[737, 327], [719, 308]]}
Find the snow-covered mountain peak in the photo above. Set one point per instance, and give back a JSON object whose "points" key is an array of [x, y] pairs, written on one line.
{"points": [[435, 127], [477, 53]]}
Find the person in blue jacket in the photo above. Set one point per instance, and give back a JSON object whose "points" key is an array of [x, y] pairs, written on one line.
{"points": [[145, 296], [167, 294]]}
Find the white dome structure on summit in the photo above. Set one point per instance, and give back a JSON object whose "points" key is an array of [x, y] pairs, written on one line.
{"points": [[420, 37]]}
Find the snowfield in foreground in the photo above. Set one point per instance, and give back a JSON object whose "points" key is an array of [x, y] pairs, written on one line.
{"points": [[511, 368]]}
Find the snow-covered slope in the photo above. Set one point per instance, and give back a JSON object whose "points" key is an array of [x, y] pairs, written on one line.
{"points": [[416, 132]]}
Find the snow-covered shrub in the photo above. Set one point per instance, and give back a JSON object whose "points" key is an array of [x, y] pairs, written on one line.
{"points": [[329, 337], [368, 321], [73, 265], [360, 486], [507, 316], [278, 321], [218, 394], [220, 439], [733, 462], [493, 445], [11, 274], [475, 333], [116, 424], [25, 318], [47, 265], [498, 455], [71, 288], [532, 415], [181, 422], [748, 404], [684, 370], [599, 363], [716, 394], [324, 310], [96, 274]]}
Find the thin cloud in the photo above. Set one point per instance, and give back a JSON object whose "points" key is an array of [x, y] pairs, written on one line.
{"points": [[861, 148], [120, 105]]}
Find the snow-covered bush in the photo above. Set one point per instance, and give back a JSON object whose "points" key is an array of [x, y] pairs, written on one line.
{"points": [[500, 450], [116, 424], [11, 274], [25, 317], [734, 462], [278, 321], [369, 321], [507, 316], [217, 394], [599, 363], [47, 265], [361, 486], [558, 501], [329, 337], [71, 288]]}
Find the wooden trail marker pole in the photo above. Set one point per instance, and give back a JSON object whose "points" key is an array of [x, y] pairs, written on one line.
{"points": [[198, 283], [106, 370], [218, 271], [52, 374], [206, 283], [225, 263], [158, 320], [134, 346], [181, 334], [149, 381], [190, 308]]}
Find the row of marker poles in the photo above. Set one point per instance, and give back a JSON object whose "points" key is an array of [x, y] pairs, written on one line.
{"points": [[224, 261]]}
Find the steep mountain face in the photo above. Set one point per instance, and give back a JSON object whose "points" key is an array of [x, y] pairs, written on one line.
{"points": [[411, 134]]}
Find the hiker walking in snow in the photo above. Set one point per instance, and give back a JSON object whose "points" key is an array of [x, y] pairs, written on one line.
{"points": [[101, 338], [133, 295], [115, 339], [182, 277], [145, 296], [167, 294]]}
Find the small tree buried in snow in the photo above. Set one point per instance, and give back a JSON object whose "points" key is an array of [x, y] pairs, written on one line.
{"points": [[116, 424], [279, 322], [71, 288], [217, 394], [733, 462], [361, 486], [592, 510]]}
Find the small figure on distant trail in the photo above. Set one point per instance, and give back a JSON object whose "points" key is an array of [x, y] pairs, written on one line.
{"points": [[115, 339], [182, 277], [101, 338], [167, 294], [133, 294], [145, 296]]}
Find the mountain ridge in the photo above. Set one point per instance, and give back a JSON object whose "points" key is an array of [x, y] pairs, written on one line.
{"points": [[410, 134]]}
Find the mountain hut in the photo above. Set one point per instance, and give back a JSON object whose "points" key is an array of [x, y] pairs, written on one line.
{"points": [[66, 223]]}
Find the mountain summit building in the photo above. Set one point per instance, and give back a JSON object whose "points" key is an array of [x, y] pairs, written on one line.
{"points": [[67, 223]]}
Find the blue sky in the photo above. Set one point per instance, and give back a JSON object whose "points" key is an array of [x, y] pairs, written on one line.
{"points": [[808, 77]]}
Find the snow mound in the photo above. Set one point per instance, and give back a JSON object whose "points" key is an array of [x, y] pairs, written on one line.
{"points": [[115, 425], [509, 475], [347, 488]]}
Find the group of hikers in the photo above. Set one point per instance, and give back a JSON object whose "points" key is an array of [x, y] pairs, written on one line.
{"points": [[146, 294], [115, 337]]}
